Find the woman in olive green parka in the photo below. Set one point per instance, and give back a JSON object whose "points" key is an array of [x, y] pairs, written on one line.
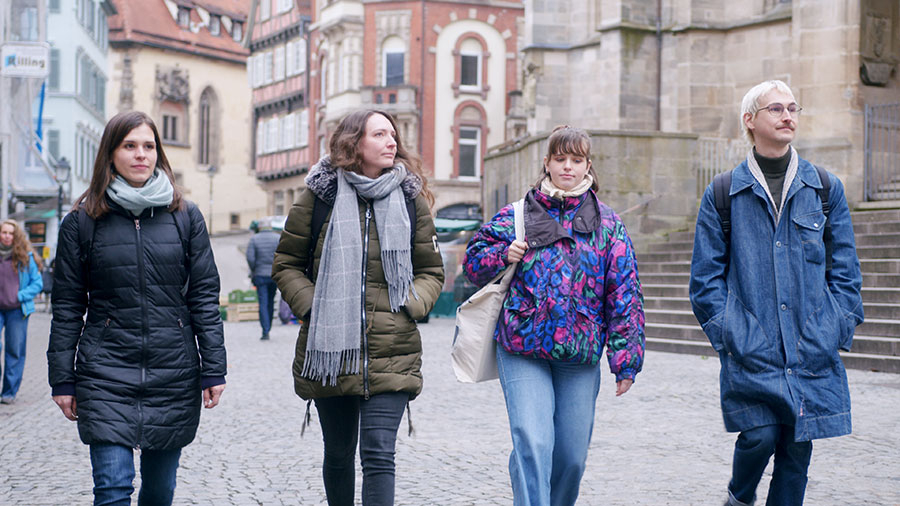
{"points": [[373, 271]]}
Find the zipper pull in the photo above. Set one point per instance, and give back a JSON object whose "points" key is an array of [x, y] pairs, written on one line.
{"points": [[180, 325], [368, 211], [107, 321], [137, 223]]}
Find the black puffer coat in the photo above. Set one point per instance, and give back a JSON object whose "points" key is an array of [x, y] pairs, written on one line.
{"points": [[134, 364]]}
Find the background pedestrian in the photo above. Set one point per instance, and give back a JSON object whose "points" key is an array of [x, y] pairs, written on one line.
{"points": [[260, 255], [136, 257], [20, 283], [374, 273], [575, 290]]}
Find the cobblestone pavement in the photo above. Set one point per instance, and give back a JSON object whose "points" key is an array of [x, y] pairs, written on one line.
{"points": [[661, 444]]}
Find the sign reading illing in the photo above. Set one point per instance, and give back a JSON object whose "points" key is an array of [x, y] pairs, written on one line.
{"points": [[25, 60]]}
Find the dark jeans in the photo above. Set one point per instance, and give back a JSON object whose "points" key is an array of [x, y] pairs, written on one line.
{"points": [[752, 451], [265, 290], [113, 470], [374, 423], [16, 326]]}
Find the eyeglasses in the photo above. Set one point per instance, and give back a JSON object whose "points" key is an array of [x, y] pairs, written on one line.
{"points": [[776, 110]]}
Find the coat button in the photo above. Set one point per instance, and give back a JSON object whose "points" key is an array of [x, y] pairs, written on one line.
{"points": [[777, 244], [815, 225], [790, 372], [784, 307]]}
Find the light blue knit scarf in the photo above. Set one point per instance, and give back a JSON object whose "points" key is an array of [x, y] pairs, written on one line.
{"points": [[156, 192]]}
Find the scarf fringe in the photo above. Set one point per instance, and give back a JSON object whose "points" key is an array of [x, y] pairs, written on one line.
{"points": [[326, 365], [397, 265]]}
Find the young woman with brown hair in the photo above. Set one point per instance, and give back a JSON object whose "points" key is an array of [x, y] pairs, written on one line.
{"points": [[136, 258], [359, 354]]}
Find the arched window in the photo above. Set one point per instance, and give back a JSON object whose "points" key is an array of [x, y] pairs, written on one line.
{"points": [[469, 132], [471, 57], [393, 54], [208, 142]]}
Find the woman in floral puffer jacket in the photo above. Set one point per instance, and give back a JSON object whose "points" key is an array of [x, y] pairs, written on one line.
{"points": [[576, 288]]}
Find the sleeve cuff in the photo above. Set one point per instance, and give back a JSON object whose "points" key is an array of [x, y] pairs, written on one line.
{"points": [[211, 381], [63, 389], [626, 374]]}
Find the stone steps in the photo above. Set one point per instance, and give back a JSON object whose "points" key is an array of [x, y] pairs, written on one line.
{"points": [[670, 324]]}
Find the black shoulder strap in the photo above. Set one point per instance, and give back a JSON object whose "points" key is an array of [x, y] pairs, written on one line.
{"points": [[824, 195], [722, 198], [85, 242], [320, 212], [183, 226]]}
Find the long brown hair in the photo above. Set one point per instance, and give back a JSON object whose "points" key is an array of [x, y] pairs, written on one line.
{"points": [[567, 140], [94, 198], [21, 247], [344, 147]]}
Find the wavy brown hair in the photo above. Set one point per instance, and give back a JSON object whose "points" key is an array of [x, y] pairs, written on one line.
{"points": [[21, 247], [94, 198], [567, 140], [344, 147]]}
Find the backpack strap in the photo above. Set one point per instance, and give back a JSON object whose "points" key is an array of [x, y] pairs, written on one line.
{"points": [[722, 199], [320, 212], [183, 225], [824, 194], [85, 243]]}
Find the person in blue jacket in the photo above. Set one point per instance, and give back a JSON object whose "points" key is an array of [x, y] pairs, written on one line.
{"points": [[773, 304], [20, 282]]}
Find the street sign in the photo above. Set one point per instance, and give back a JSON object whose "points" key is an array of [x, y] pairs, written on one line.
{"points": [[25, 60]]}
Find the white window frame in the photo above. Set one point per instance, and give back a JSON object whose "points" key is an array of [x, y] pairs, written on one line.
{"points": [[278, 71], [470, 142], [265, 9], [260, 137], [267, 67], [303, 128], [478, 77], [287, 131], [215, 25]]}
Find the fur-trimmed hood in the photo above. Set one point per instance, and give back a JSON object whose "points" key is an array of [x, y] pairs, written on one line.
{"points": [[322, 181]]}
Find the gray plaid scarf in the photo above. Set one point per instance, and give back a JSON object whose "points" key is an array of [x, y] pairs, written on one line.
{"points": [[336, 317]]}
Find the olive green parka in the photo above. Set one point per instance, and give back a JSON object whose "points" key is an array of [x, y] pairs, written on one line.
{"points": [[391, 348]]}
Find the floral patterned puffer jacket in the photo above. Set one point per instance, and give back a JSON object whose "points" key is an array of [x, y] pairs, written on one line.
{"points": [[575, 289]]}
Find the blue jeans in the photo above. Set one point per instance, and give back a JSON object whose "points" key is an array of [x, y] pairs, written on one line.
{"points": [[265, 291], [374, 424], [752, 451], [551, 417], [113, 469], [16, 325]]}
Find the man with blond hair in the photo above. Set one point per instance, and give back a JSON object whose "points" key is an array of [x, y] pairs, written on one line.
{"points": [[775, 284]]}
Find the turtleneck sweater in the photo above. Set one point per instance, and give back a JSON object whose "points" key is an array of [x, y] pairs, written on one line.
{"points": [[774, 170]]}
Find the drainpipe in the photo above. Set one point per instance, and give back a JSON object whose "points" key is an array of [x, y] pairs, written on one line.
{"points": [[659, 45], [421, 78]]}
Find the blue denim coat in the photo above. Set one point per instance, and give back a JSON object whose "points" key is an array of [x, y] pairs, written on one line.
{"points": [[771, 311]]}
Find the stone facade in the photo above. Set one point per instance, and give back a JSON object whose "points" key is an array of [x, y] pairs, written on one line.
{"points": [[642, 176], [683, 66]]}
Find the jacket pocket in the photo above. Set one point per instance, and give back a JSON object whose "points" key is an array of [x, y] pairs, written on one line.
{"points": [[817, 347], [189, 342], [810, 228], [92, 340], [743, 338]]}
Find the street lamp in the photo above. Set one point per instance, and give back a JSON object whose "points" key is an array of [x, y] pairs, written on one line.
{"points": [[63, 169]]}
